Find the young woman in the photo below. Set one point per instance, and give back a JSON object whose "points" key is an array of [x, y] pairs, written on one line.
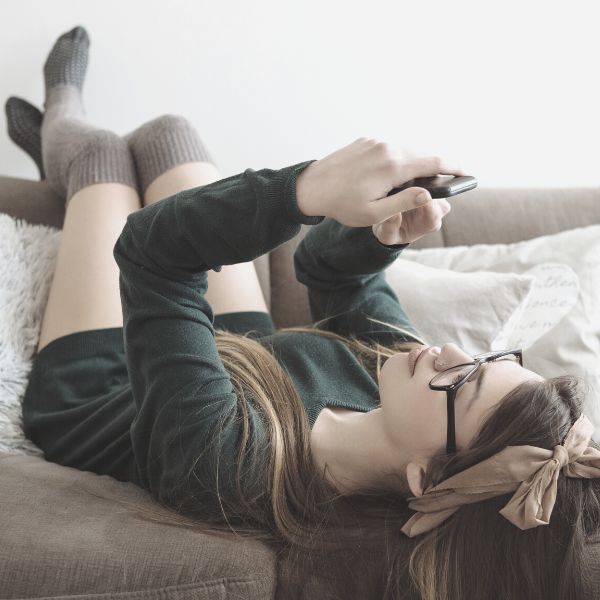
{"points": [[159, 364]]}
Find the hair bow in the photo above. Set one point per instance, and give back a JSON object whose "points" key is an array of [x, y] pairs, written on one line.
{"points": [[531, 471]]}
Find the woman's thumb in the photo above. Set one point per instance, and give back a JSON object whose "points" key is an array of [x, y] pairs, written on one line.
{"points": [[407, 199]]}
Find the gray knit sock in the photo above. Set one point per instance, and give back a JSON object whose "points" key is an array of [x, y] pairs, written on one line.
{"points": [[164, 143], [75, 154], [24, 122]]}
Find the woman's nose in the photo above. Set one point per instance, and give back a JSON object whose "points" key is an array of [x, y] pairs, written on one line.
{"points": [[449, 355], [436, 352]]}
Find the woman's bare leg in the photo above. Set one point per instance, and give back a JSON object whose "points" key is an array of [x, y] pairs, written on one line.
{"points": [[236, 288], [84, 293]]}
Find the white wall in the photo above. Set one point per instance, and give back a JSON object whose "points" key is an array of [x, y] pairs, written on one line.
{"points": [[509, 89]]}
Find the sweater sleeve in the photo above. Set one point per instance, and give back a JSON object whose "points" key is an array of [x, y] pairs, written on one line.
{"points": [[342, 267], [185, 431]]}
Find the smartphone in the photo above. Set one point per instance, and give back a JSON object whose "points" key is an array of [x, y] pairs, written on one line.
{"points": [[441, 186]]}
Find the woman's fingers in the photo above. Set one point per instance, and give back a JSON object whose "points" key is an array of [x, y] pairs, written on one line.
{"points": [[432, 214], [429, 166], [446, 206], [403, 201], [430, 211], [414, 224]]}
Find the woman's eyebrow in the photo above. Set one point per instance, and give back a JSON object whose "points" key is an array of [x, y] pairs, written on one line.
{"points": [[483, 373]]}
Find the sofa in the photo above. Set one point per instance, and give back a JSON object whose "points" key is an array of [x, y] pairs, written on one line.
{"points": [[58, 542]]}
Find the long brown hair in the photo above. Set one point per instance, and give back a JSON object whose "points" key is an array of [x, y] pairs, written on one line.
{"points": [[331, 545]]}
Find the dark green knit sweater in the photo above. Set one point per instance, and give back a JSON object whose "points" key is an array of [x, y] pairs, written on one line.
{"points": [[182, 392]]}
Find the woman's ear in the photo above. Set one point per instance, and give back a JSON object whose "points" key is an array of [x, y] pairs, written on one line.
{"points": [[415, 472]]}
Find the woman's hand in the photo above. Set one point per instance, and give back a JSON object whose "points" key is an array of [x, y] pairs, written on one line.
{"points": [[406, 227], [351, 186]]}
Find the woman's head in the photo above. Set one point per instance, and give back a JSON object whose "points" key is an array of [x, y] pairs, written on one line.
{"points": [[416, 416], [545, 561]]}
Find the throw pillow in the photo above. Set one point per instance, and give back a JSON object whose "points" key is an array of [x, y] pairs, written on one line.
{"points": [[473, 310], [571, 346], [27, 262]]}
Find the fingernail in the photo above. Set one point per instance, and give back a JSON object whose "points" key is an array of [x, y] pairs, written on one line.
{"points": [[422, 198]]}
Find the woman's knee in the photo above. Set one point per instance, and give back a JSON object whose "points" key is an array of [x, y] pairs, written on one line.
{"points": [[157, 127], [103, 141], [172, 122]]}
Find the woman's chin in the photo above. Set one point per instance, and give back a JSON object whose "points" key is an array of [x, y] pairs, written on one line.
{"points": [[393, 374]]}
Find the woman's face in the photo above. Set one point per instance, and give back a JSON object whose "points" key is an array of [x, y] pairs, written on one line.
{"points": [[415, 416]]}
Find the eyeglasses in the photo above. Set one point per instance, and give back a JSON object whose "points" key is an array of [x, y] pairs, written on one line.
{"points": [[451, 379]]}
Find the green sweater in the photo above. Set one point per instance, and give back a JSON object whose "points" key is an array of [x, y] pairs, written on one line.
{"points": [[181, 390]]}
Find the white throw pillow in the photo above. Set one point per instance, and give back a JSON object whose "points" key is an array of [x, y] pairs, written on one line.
{"points": [[27, 261], [572, 345], [473, 310]]}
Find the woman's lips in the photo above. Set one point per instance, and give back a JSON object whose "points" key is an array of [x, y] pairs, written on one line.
{"points": [[413, 357]]}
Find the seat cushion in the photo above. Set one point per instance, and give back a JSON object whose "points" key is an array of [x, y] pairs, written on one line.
{"points": [[64, 533]]}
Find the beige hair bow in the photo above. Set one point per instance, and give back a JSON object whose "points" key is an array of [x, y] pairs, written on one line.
{"points": [[530, 470]]}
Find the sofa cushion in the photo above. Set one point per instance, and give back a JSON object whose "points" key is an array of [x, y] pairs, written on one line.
{"points": [[64, 533], [476, 310]]}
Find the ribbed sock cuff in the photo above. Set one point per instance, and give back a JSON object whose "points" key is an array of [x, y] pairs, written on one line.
{"points": [[163, 144], [103, 164]]}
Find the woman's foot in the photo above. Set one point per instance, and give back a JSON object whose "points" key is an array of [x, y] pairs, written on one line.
{"points": [[67, 63], [24, 122], [64, 74]]}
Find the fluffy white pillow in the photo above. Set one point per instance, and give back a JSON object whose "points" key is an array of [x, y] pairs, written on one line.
{"points": [[27, 261], [572, 345], [473, 310]]}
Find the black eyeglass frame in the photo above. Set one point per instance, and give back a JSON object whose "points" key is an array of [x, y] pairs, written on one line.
{"points": [[452, 388]]}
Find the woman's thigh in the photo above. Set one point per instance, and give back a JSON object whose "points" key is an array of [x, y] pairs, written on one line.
{"points": [[236, 288], [84, 293]]}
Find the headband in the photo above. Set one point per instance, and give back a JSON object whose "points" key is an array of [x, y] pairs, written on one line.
{"points": [[529, 470]]}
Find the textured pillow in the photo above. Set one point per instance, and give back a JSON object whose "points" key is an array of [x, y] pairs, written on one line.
{"points": [[477, 311], [572, 345], [27, 262], [554, 295]]}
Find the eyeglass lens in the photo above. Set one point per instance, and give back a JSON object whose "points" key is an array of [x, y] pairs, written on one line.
{"points": [[459, 372]]}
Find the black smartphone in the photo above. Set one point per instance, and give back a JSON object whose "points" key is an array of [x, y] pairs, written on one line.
{"points": [[440, 186]]}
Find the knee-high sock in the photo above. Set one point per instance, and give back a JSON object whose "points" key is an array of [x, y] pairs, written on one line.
{"points": [[74, 153]]}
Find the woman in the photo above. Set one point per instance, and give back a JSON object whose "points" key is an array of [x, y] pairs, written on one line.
{"points": [[165, 369]]}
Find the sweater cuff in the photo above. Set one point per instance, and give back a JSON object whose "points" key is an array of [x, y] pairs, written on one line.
{"points": [[391, 246], [291, 200]]}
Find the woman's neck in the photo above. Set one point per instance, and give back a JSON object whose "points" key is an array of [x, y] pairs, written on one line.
{"points": [[357, 452]]}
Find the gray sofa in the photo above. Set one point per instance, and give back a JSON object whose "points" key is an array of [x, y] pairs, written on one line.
{"points": [[56, 541]]}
